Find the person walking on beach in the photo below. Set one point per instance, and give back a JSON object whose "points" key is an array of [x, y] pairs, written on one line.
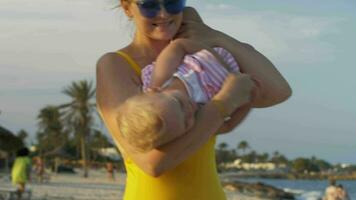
{"points": [[184, 168], [21, 170], [110, 170], [39, 169]]}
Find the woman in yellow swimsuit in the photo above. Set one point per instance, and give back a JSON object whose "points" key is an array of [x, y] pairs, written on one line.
{"points": [[185, 168]]}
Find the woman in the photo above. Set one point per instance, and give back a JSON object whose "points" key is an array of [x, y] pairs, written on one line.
{"points": [[184, 168]]}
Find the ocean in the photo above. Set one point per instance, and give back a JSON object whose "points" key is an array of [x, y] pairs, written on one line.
{"points": [[306, 189]]}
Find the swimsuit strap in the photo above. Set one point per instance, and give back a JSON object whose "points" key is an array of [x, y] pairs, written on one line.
{"points": [[132, 63]]}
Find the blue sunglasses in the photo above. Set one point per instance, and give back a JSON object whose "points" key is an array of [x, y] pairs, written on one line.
{"points": [[150, 8]]}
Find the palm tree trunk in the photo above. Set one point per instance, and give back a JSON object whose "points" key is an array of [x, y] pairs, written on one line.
{"points": [[84, 156], [56, 164]]}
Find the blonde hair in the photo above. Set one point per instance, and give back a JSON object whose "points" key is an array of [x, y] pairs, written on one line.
{"points": [[140, 123]]}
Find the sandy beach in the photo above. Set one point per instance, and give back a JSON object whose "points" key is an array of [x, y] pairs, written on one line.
{"points": [[75, 187]]}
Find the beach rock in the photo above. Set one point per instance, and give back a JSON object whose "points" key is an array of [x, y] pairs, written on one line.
{"points": [[258, 190]]}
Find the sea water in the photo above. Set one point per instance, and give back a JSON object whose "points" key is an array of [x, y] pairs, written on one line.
{"points": [[306, 189]]}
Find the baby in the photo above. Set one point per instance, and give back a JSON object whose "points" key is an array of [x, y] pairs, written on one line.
{"points": [[160, 115]]}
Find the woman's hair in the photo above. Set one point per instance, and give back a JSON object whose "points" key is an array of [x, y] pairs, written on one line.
{"points": [[140, 123], [23, 152]]}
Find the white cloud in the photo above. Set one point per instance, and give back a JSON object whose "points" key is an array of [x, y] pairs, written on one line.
{"points": [[286, 38], [47, 43], [218, 7]]}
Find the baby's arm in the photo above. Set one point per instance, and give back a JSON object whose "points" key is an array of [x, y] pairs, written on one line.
{"points": [[171, 57]]}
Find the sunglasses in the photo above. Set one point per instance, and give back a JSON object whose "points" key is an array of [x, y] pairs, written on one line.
{"points": [[150, 8]]}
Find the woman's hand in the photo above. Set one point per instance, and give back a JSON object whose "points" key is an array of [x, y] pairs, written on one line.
{"points": [[237, 90], [194, 28], [242, 111]]}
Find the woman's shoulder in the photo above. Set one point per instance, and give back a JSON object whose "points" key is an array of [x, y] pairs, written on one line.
{"points": [[113, 74], [115, 65], [111, 60]]}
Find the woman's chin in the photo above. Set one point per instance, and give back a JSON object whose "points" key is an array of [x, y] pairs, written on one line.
{"points": [[166, 34], [163, 36]]}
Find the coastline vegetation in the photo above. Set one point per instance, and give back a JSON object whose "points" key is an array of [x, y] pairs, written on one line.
{"points": [[68, 131], [246, 162]]}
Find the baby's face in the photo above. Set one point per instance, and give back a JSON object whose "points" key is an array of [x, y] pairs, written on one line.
{"points": [[178, 112]]}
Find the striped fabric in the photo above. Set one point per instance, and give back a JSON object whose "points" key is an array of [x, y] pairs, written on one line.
{"points": [[210, 72]]}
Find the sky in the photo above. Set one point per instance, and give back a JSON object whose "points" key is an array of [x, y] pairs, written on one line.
{"points": [[45, 45]]}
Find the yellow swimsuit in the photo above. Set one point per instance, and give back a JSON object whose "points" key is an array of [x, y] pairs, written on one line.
{"points": [[194, 179]]}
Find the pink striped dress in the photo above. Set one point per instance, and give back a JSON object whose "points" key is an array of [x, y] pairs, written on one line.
{"points": [[201, 73]]}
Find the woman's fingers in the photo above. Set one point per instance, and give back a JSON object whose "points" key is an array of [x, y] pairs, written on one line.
{"points": [[187, 30], [236, 90]]}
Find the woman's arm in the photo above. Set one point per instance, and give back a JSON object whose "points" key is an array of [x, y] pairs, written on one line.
{"points": [[235, 119], [116, 82], [274, 88]]}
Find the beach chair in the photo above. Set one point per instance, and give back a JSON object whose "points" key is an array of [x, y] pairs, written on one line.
{"points": [[11, 194]]}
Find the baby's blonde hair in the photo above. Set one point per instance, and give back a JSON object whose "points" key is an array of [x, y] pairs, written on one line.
{"points": [[140, 123]]}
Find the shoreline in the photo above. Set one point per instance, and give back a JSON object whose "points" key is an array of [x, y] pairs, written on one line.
{"points": [[289, 176]]}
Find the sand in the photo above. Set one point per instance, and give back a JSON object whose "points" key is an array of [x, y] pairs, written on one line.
{"points": [[75, 187]]}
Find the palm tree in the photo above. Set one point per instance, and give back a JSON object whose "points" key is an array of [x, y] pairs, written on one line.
{"points": [[279, 158], [22, 134], [78, 114], [223, 146], [50, 135], [98, 141], [264, 157], [243, 145], [275, 157]]}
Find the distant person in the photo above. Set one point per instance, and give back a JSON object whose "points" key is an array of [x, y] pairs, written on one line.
{"points": [[21, 170], [111, 171], [39, 169], [342, 193], [331, 191]]}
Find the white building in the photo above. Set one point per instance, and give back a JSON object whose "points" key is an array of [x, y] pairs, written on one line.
{"points": [[110, 153], [268, 166]]}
